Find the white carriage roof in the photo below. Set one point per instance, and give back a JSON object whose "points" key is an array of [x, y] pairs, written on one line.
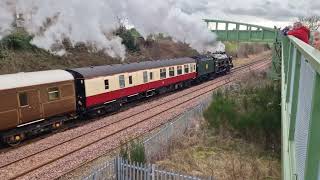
{"points": [[96, 71], [11, 81]]}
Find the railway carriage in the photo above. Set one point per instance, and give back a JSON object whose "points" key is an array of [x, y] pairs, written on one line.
{"points": [[41, 101], [105, 88], [44, 98]]}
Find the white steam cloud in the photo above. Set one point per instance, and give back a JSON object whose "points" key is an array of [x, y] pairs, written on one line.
{"points": [[92, 22], [167, 16], [89, 22], [6, 17]]}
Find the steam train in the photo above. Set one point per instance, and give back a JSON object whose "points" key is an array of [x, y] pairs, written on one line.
{"points": [[35, 102]]}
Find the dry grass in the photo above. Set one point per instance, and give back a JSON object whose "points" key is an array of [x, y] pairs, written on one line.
{"points": [[223, 154], [251, 58], [222, 157]]}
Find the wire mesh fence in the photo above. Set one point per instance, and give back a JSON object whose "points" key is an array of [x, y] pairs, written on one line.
{"points": [[121, 169], [155, 147], [158, 144]]}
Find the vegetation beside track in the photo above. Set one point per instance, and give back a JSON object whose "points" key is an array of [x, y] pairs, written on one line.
{"points": [[239, 138]]}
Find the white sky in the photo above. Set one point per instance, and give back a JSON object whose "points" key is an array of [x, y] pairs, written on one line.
{"points": [[90, 21], [261, 12]]}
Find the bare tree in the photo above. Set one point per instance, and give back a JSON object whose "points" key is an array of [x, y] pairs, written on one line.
{"points": [[313, 22]]}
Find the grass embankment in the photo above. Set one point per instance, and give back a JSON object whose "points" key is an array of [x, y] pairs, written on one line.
{"points": [[239, 137], [17, 54]]}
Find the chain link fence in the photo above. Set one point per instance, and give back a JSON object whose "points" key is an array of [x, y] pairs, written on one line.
{"points": [[157, 146]]}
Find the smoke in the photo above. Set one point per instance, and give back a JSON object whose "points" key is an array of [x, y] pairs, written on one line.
{"points": [[92, 22], [6, 17], [169, 17], [89, 22]]}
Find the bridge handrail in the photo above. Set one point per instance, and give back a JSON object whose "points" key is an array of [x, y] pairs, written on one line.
{"points": [[300, 110], [312, 54]]}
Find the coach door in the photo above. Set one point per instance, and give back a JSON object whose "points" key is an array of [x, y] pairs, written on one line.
{"points": [[29, 106]]}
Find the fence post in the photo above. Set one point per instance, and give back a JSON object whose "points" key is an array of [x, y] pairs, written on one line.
{"points": [[153, 172], [116, 168], [127, 169]]}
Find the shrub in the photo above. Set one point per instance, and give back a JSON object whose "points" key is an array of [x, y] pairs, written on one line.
{"points": [[17, 41], [128, 38], [134, 153], [255, 113], [221, 110], [137, 153]]}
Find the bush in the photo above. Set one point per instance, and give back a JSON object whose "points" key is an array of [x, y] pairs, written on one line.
{"points": [[134, 153], [137, 153], [254, 113], [221, 110], [17, 41], [128, 38]]}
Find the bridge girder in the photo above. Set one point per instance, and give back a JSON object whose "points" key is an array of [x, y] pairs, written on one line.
{"points": [[242, 32]]}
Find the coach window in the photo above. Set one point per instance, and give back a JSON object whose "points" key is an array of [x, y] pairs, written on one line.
{"points": [[106, 84], [171, 71], [122, 82], [186, 68], [23, 99], [130, 80], [179, 70], [53, 93], [191, 70], [163, 73], [194, 67], [145, 76], [151, 75]]}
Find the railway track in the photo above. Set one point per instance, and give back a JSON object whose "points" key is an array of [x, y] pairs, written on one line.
{"points": [[23, 166]]}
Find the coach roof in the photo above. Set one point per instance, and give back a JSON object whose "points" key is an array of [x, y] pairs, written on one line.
{"points": [[96, 71], [11, 81]]}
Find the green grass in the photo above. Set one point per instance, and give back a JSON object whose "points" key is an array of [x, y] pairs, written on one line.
{"points": [[18, 40], [134, 152], [253, 113]]}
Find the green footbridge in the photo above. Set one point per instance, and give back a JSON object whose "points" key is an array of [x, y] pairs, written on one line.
{"points": [[297, 65]]}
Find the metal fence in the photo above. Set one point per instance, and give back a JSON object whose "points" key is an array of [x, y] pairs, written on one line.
{"points": [[155, 146], [127, 170], [106, 171], [158, 145], [300, 110], [120, 169]]}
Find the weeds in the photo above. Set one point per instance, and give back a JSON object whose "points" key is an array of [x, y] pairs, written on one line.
{"points": [[254, 113], [18, 40], [134, 152]]}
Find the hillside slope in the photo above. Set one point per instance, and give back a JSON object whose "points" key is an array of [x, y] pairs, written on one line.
{"points": [[36, 59]]}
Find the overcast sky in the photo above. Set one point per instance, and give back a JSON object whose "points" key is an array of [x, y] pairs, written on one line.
{"points": [[90, 21], [261, 12]]}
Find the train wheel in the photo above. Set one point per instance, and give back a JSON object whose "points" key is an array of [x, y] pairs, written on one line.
{"points": [[15, 140], [56, 126]]}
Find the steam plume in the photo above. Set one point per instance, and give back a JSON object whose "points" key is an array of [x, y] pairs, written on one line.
{"points": [[92, 22], [6, 17]]}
